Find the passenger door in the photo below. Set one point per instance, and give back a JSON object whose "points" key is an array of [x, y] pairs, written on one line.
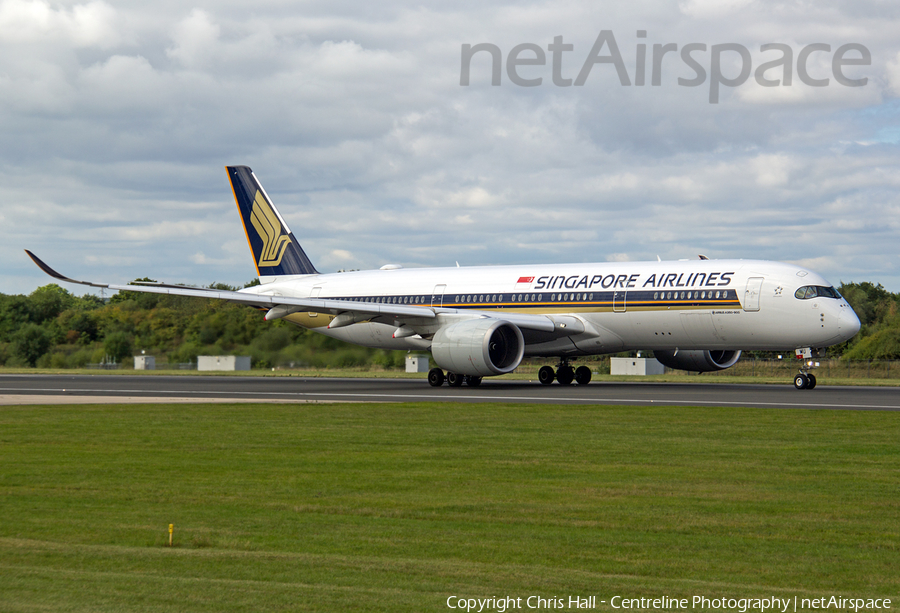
{"points": [[751, 294]]}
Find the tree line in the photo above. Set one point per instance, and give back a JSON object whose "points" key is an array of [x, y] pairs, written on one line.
{"points": [[53, 328]]}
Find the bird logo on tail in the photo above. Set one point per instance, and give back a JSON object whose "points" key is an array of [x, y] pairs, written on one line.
{"points": [[268, 227]]}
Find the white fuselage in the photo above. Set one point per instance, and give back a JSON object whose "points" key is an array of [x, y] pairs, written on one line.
{"points": [[697, 304]]}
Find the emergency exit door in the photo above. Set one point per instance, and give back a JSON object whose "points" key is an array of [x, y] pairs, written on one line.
{"points": [[437, 296]]}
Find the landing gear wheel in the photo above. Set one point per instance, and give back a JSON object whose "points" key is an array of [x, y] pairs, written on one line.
{"points": [[582, 375], [565, 375], [546, 375], [473, 381], [435, 377], [801, 381], [812, 381], [454, 380]]}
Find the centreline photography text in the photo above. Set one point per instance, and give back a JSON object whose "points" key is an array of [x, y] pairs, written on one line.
{"points": [[787, 604]]}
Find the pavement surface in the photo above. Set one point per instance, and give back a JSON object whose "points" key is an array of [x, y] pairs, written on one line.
{"points": [[43, 389]]}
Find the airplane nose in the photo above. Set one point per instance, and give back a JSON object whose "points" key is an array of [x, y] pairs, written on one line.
{"points": [[848, 323]]}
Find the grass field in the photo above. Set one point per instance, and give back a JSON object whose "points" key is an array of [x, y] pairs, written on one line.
{"points": [[386, 507]]}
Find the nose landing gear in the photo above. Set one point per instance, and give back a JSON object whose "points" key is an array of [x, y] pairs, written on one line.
{"points": [[805, 380]]}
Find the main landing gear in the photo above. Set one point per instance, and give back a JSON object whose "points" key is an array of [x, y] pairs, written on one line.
{"points": [[564, 373], [436, 379], [805, 380]]}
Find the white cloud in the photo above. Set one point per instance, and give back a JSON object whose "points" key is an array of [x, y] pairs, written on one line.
{"points": [[124, 83], [117, 122], [772, 170], [893, 74], [712, 8], [195, 39], [34, 21]]}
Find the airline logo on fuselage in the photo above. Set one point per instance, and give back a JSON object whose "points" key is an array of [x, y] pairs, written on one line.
{"points": [[267, 225], [654, 281]]}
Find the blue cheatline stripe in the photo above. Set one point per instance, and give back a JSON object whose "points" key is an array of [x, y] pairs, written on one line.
{"points": [[700, 299]]}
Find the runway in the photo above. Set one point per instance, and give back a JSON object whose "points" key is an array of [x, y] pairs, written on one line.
{"points": [[19, 389]]}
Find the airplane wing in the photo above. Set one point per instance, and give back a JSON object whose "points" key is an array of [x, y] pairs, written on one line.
{"points": [[278, 306], [262, 301]]}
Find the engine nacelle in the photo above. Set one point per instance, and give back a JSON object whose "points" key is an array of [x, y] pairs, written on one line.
{"points": [[478, 347], [698, 361]]}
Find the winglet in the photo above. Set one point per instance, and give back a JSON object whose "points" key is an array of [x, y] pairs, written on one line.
{"points": [[43, 266], [275, 250]]}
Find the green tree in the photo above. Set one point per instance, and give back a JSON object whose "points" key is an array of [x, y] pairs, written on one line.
{"points": [[118, 345], [79, 326], [31, 342], [48, 302], [882, 345], [144, 300], [15, 311]]}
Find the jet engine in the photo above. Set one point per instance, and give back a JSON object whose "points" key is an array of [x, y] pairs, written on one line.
{"points": [[478, 347], [698, 361]]}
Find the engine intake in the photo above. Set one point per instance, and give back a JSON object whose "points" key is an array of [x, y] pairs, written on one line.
{"points": [[478, 347], [698, 361]]}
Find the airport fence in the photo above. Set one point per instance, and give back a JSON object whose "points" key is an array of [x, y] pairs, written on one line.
{"points": [[757, 367], [176, 366], [828, 367]]}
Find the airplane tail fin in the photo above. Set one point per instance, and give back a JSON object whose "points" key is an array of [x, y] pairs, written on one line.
{"points": [[276, 252]]}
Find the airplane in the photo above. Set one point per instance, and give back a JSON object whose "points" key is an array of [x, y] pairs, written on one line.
{"points": [[695, 315]]}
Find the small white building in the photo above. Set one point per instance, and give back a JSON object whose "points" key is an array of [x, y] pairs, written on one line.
{"points": [[636, 366], [144, 362], [223, 362], [417, 362]]}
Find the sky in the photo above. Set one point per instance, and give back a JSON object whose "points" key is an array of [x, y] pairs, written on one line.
{"points": [[118, 118]]}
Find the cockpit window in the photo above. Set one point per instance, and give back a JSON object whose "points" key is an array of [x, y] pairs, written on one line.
{"points": [[811, 291]]}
